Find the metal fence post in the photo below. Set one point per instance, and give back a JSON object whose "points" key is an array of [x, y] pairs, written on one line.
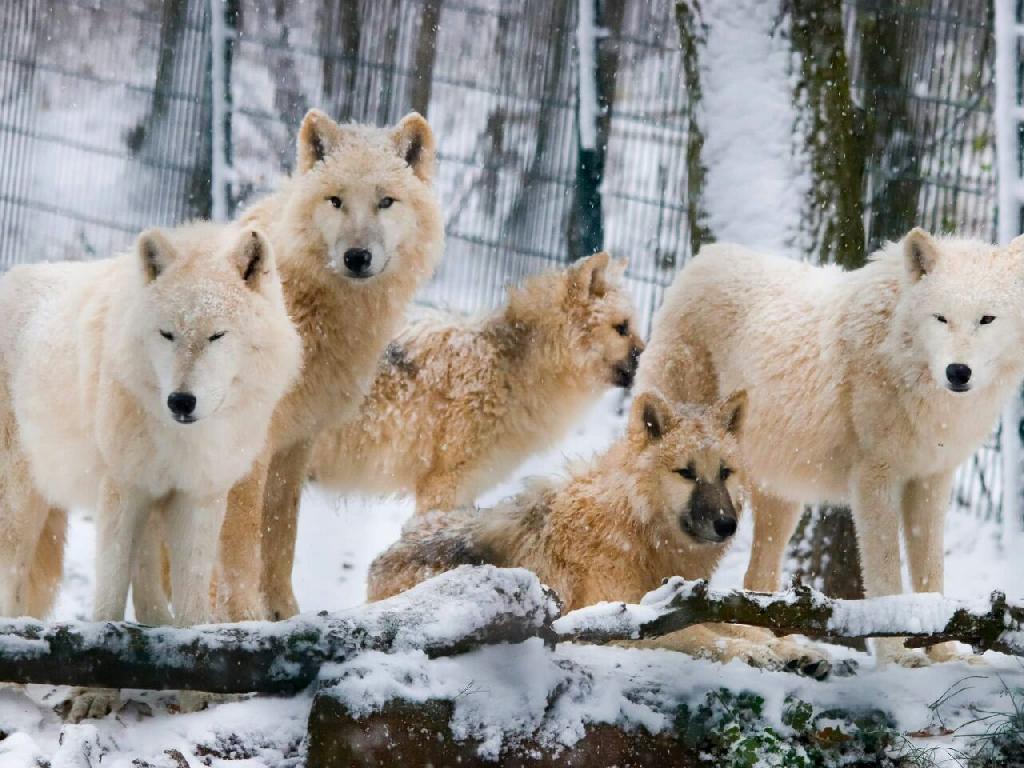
{"points": [[221, 176], [587, 234], [1009, 117]]}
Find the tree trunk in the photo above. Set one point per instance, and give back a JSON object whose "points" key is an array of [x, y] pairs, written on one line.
{"points": [[692, 35], [339, 23], [425, 54], [923, 619], [476, 607]]}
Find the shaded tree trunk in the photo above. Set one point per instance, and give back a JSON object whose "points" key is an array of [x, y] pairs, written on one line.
{"points": [[424, 57], [487, 606], [692, 35], [586, 228]]}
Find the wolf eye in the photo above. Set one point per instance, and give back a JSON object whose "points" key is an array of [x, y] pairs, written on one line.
{"points": [[986, 319], [941, 318], [167, 335], [386, 202], [335, 201], [622, 328], [724, 473], [687, 472], [218, 335]]}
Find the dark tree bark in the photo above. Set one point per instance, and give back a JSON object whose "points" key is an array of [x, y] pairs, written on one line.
{"points": [[692, 35], [420, 734], [340, 33], [487, 605], [801, 611], [424, 57]]}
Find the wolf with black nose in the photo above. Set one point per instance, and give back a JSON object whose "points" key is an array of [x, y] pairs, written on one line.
{"points": [[662, 501]]}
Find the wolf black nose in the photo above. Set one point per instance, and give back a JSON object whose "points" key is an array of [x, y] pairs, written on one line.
{"points": [[958, 374], [725, 526], [357, 260], [181, 403]]}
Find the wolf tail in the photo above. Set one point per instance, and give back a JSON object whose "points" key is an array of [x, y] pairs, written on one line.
{"points": [[421, 554]]}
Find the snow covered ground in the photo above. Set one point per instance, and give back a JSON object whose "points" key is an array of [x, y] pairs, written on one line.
{"points": [[338, 538]]}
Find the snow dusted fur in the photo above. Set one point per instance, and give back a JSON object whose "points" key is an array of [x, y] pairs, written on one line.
{"points": [[90, 354], [662, 501], [850, 399], [457, 405], [356, 229]]}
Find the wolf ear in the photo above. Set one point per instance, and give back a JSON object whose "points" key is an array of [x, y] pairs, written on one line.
{"points": [[589, 276], [253, 258], [318, 135], [650, 417], [732, 411], [155, 253], [1017, 244], [414, 143], [921, 253]]}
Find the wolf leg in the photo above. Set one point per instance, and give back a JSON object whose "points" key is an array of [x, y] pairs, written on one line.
{"points": [[775, 520], [48, 563], [925, 501], [118, 519], [239, 595], [285, 479], [876, 501], [149, 595], [23, 518], [193, 535]]}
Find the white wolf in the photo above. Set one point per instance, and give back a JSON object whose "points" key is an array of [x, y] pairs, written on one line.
{"points": [[867, 387], [135, 385]]}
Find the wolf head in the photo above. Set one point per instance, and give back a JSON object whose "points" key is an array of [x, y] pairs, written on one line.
{"points": [[961, 308], [209, 329], [688, 464], [362, 199], [586, 318]]}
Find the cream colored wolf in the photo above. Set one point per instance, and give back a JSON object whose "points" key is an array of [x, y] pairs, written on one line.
{"points": [[356, 229], [868, 387], [456, 405], [140, 385], [662, 501]]}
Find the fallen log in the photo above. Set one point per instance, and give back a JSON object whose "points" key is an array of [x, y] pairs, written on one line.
{"points": [[924, 619], [455, 612]]}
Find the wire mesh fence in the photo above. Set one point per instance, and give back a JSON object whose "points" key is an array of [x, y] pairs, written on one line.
{"points": [[106, 116]]}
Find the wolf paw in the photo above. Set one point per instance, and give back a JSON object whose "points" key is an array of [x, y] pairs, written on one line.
{"points": [[196, 701], [92, 703], [282, 606], [803, 660], [911, 658], [946, 652]]}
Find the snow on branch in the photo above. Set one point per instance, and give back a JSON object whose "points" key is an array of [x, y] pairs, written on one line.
{"points": [[924, 619], [454, 612]]}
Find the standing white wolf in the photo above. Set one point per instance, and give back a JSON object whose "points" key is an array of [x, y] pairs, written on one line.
{"points": [[867, 387], [138, 385]]}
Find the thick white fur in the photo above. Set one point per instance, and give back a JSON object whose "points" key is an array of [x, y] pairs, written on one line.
{"points": [[84, 379], [846, 375]]}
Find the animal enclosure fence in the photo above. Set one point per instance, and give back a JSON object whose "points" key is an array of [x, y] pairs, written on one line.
{"points": [[109, 124]]}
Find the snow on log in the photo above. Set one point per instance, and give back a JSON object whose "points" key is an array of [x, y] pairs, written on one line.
{"points": [[924, 619], [449, 614]]}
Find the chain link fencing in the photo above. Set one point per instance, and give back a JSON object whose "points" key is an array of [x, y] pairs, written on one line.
{"points": [[106, 118]]}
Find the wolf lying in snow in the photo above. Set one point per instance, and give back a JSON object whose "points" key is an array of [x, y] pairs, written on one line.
{"points": [[457, 405], [140, 385], [868, 387], [662, 501], [356, 229]]}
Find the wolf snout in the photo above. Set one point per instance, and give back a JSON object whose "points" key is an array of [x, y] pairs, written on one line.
{"points": [[357, 261], [958, 375], [625, 371], [182, 406], [725, 526]]}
